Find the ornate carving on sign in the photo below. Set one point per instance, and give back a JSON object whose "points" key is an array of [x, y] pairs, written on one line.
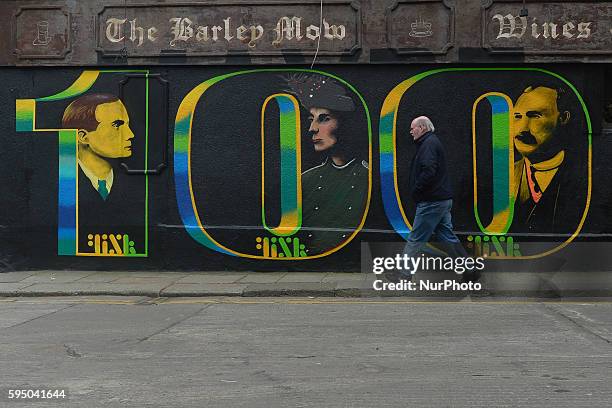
{"points": [[420, 26], [41, 32], [570, 27], [265, 28]]}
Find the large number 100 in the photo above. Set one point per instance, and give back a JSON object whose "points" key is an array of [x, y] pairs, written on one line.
{"points": [[500, 140]]}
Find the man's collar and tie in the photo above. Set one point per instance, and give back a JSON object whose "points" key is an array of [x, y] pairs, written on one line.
{"points": [[536, 177], [102, 185]]}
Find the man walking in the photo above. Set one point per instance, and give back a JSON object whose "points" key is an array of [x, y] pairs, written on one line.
{"points": [[430, 188]]}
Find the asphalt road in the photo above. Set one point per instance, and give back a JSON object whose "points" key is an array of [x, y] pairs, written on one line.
{"points": [[134, 352]]}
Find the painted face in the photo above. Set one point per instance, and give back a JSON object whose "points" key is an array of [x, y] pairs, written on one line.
{"points": [[536, 119], [417, 130], [322, 127], [113, 136]]}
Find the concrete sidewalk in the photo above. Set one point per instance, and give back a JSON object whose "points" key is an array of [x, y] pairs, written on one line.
{"points": [[251, 284]]}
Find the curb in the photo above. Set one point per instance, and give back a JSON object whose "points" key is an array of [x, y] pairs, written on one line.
{"points": [[296, 292], [560, 285]]}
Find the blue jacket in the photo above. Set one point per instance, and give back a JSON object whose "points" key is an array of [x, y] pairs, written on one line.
{"points": [[428, 173]]}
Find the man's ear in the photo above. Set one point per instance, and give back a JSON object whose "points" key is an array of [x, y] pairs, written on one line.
{"points": [[564, 117], [82, 136]]}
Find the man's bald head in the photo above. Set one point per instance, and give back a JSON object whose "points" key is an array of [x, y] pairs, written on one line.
{"points": [[420, 126]]}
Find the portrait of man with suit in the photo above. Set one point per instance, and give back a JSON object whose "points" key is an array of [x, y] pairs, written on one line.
{"points": [[109, 202], [103, 129], [550, 175]]}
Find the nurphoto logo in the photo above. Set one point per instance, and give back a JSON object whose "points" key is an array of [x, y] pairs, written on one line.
{"points": [[403, 267]]}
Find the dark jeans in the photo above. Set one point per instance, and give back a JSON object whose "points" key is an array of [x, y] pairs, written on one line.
{"points": [[434, 218]]}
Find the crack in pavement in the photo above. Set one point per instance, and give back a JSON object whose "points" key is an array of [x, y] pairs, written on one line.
{"points": [[39, 317], [173, 324], [585, 328]]}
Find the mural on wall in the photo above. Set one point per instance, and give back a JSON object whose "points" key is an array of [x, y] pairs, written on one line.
{"points": [[101, 210], [335, 192], [545, 181], [310, 198], [531, 154], [275, 164]]}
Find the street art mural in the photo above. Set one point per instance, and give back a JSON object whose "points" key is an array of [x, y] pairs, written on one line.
{"points": [[530, 154], [289, 165], [101, 210], [335, 192], [300, 206]]}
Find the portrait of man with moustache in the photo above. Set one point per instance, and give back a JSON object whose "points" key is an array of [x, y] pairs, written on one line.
{"points": [[550, 176]]}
